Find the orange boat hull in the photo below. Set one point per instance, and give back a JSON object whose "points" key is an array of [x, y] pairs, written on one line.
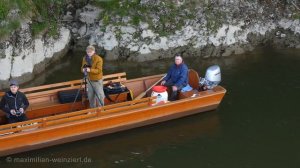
{"points": [[87, 123]]}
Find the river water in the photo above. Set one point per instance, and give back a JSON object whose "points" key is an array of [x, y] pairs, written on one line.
{"points": [[256, 125]]}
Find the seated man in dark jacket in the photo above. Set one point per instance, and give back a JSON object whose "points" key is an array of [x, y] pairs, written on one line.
{"points": [[14, 103], [177, 77]]}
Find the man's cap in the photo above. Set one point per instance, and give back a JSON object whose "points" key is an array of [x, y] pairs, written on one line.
{"points": [[13, 82]]}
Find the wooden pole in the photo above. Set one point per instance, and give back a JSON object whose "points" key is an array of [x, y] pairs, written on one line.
{"points": [[144, 93]]}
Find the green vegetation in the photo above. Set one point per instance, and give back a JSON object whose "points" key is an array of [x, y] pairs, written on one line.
{"points": [[115, 8], [168, 14], [296, 15], [163, 18], [43, 13], [49, 16], [36, 27], [9, 24], [24, 6], [214, 18], [6, 26], [3, 10]]}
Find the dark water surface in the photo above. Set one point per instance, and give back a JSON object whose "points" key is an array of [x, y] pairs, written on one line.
{"points": [[255, 126]]}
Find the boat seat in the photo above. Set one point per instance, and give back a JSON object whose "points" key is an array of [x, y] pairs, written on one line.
{"points": [[193, 82], [193, 79], [183, 95]]}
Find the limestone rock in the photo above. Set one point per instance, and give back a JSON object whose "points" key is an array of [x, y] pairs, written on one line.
{"points": [[24, 58], [89, 14]]}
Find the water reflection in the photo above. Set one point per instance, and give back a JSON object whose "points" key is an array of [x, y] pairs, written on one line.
{"points": [[134, 145]]}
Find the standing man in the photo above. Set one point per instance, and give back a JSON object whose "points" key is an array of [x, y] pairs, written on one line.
{"points": [[176, 78], [14, 103], [92, 67]]}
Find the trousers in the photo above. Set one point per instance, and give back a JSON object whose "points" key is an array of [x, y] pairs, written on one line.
{"points": [[14, 119], [172, 93], [95, 87]]}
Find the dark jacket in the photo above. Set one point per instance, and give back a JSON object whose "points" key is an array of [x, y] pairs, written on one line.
{"points": [[178, 75], [13, 101]]}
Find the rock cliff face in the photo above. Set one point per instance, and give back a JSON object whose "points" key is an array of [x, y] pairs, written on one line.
{"points": [[208, 28], [144, 30], [29, 56], [29, 38]]}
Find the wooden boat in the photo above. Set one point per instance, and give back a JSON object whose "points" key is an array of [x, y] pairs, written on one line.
{"points": [[51, 122]]}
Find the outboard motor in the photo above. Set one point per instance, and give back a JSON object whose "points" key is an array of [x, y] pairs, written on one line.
{"points": [[212, 78]]}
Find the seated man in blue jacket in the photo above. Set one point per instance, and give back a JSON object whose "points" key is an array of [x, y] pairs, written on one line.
{"points": [[177, 77], [14, 103]]}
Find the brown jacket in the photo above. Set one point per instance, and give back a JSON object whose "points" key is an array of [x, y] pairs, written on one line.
{"points": [[96, 69]]}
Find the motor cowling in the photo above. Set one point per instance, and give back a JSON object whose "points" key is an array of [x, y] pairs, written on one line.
{"points": [[212, 77]]}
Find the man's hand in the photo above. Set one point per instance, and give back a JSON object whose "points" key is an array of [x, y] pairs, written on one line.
{"points": [[163, 82], [13, 111], [174, 88], [86, 69], [21, 110]]}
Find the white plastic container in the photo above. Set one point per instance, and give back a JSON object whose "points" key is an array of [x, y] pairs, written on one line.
{"points": [[161, 94]]}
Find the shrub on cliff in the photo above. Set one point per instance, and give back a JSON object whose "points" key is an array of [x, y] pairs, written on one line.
{"points": [[44, 14], [3, 10]]}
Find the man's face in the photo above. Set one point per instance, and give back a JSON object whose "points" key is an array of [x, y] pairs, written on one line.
{"points": [[90, 52], [178, 60], [14, 89]]}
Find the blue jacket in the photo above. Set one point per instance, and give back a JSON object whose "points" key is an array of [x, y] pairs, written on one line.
{"points": [[178, 75]]}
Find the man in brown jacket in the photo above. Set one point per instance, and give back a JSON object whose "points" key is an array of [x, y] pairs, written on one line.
{"points": [[92, 67]]}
